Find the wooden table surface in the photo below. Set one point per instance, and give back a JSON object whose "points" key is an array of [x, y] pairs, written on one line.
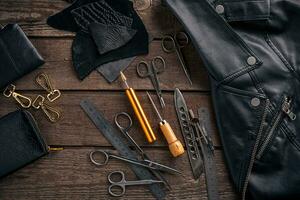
{"points": [[69, 174]]}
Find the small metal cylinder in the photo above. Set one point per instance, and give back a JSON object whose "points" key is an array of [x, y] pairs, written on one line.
{"points": [[140, 115]]}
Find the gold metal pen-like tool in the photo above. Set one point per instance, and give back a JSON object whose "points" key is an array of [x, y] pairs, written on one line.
{"points": [[138, 110]]}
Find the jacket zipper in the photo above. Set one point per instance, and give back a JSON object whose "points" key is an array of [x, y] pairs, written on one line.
{"points": [[252, 159], [285, 110]]}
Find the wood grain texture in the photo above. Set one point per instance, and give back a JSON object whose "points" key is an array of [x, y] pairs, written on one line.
{"points": [[76, 129], [32, 16], [57, 54], [69, 174]]}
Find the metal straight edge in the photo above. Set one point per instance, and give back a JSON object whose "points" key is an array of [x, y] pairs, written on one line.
{"points": [[119, 142]]}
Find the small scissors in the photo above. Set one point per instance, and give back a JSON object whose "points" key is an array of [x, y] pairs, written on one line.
{"points": [[118, 187], [144, 163], [178, 41], [157, 66]]}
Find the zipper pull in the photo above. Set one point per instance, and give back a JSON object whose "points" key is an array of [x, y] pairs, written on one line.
{"points": [[286, 109]]}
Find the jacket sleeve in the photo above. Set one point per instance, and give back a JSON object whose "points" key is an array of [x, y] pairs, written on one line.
{"points": [[223, 52]]}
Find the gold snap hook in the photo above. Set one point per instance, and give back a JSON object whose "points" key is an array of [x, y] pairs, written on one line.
{"points": [[44, 81], [24, 101], [9, 90], [54, 95], [38, 102], [52, 114]]}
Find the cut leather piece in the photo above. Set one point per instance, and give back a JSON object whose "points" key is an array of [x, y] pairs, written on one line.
{"points": [[64, 20], [99, 12], [85, 53], [110, 37], [111, 71]]}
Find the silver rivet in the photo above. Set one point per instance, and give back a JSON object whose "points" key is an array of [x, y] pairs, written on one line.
{"points": [[255, 102], [251, 60], [220, 9]]}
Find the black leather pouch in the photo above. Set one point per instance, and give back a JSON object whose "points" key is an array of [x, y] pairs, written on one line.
{"points": [[20, 141], [17, 55]]}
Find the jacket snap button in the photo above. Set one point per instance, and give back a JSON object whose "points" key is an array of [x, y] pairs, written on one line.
{"points": [[220, 9], [251, 60], [255, 102]]}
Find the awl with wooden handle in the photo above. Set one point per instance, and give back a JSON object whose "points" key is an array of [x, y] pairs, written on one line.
{"points": [[175, 145]]}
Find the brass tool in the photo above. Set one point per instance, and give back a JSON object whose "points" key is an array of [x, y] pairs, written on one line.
{"points": [[175, 145], [24, 101], [44, 81], [52, 114], [138, 110]]}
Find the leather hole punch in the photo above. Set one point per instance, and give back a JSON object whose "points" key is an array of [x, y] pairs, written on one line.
{"points": [[44, 81], [24, 101], [52, 114]]}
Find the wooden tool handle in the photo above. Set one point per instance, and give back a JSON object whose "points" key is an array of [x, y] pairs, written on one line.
{"points": [[175, 145]]}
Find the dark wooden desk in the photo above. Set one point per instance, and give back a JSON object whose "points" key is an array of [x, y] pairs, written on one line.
{"points": [[69, 174]]}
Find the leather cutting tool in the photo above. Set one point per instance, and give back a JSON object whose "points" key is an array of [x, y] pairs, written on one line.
{"points": [[151, 70], [138, 149], [175, 145], [143, 163], [207, 151], [138, 110], [175, 43], [120, 143], [118, 187], [188, 134]]}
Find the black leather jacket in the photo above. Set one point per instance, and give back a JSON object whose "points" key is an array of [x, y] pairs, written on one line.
{"points": [[250, 51]]}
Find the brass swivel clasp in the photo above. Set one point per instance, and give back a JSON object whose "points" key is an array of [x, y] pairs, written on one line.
{"points": [[52, 114], [44, 81], [10, 91]]}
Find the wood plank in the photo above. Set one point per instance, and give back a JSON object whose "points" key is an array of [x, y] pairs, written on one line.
{"points": [[76, 129], [32, 16], [57, 55], [69, 174]]}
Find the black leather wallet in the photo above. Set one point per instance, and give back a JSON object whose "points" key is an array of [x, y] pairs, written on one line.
{"points": [[20, 141], [17, 55]]}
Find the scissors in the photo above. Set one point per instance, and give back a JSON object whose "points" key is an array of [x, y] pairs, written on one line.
{"points": [[156, 67], [144, 163], [125, 131], [118, 187], [176, 43]]}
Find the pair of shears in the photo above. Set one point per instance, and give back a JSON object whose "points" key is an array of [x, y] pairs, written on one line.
{"points": [[106, 155], [175, 44], [151, 70], [118, 186], [124, 126]]}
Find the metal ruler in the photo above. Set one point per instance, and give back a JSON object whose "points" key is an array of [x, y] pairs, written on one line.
{"points": [[118, 140], [207, 154]]}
